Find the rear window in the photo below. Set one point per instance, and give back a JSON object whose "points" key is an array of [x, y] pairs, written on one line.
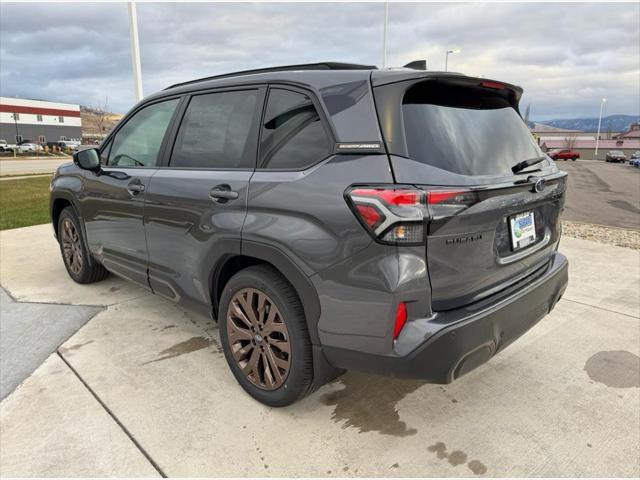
{"points": [[464, 130]]}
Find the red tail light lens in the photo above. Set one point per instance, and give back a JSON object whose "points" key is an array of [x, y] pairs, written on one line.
{"points": [[444, 196], [401, 319], [392, 215], [371, 216]]}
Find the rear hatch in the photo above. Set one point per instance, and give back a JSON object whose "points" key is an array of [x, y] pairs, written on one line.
{"points": [[458, 138]]}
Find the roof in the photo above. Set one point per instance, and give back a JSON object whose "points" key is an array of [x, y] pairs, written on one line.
{"points": [[317, 75]]}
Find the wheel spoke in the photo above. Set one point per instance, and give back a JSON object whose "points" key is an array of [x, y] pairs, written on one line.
{"points": [[273, 363], [268, 374], [252, 364], [281, 345], [236, 333], [247, 306], [238, 313]]}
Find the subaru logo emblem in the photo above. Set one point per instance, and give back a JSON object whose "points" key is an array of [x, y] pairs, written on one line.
{"points": [[538, 184]]}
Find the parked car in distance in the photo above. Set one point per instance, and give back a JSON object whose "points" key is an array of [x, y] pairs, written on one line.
{"points": [[566, 154], [616, 156], [7, 147], [69, 144], [635, 159], [26, 147], [320, 238]]}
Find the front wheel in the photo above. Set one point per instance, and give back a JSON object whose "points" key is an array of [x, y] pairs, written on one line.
{"points": [[74, 251], [573, 159], [264, 336]]}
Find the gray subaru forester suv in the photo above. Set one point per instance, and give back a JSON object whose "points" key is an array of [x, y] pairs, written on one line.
{"points": [[329, 216]]}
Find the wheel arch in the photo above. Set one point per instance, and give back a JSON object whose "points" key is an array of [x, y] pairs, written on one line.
{"points": [[255, 254], [59, 201]]}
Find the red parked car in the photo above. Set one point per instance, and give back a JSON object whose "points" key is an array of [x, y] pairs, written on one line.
{"points": [[564, 154]]}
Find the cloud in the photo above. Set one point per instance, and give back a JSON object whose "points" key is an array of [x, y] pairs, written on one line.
{"points": [[565, 56]]}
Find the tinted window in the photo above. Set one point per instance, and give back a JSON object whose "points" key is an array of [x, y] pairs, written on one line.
{"points": [[138, 142], [465, 131], [293, 137], [215, 131]]}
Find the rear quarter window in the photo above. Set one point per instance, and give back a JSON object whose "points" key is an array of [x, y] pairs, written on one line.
{"points": [[292, 137]]}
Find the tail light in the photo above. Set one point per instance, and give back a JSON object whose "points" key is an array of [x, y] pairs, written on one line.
{"points": [[446, 203], [392, 215]]}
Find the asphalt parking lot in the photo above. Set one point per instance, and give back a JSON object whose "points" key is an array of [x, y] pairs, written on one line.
{"points": [[602, 193], [142, 389]]}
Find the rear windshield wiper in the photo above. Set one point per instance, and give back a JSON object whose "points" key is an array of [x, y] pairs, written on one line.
{"points": [[518, 167]]}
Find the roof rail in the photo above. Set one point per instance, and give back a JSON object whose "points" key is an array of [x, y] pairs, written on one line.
{"points": [[304, 66]]}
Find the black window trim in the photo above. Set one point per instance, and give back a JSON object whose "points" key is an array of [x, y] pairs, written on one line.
{"points": [[323, 119], [129, 116], [261, 88]]}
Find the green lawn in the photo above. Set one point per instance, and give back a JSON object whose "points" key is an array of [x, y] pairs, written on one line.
{"points": [[24, 202]]}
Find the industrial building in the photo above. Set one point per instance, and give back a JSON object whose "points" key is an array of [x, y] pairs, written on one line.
{"points": [[38, 121]]}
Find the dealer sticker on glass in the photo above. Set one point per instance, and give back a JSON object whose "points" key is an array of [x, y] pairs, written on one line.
{"points": [[523, 230]]}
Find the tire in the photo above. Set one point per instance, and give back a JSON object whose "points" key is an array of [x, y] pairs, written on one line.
{"points": [[573, 159], [76, 260], [276, 385]]}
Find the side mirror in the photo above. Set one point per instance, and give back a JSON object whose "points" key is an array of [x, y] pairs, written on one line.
{"points": [[88, 159]]}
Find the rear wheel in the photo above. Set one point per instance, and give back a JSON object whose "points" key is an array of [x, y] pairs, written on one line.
{"points": [[264, 336], [74, 251]]}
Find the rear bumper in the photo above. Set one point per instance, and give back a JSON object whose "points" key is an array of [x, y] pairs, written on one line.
{"points": [[462, 340]]}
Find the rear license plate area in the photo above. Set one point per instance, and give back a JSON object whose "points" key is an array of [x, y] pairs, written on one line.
{"points": [[522, 228]]}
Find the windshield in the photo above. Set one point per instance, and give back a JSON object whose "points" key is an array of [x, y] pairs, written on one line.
{"points": [[485, 136]]}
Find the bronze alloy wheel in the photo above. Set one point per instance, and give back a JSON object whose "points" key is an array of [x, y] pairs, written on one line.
{"points": [[71, 246], [258, 338]]}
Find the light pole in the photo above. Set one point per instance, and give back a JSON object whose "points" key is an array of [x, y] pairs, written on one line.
{"points": [[135, 50], [599, 122], [384, 34], [446, 58]]}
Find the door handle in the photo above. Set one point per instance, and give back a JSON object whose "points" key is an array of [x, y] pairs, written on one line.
{"points": [[222, 194], [135, 187]]}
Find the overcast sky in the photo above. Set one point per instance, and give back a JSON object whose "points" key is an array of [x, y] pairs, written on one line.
{"points": [[565, 56]]}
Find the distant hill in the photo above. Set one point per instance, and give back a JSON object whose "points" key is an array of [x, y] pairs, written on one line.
{"points": [[617, 123]]}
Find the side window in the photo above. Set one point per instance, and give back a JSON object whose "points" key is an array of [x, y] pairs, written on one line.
{"points": [[104, 154], [138, 142], [214, 132], [293, 137]]}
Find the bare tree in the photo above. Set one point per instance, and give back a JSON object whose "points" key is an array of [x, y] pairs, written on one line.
{"points": [[570, 141], [609, 130], [101, 115]]}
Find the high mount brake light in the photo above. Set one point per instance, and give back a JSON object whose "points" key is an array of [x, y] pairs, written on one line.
{"points": [[392, 215], [494, 85]]}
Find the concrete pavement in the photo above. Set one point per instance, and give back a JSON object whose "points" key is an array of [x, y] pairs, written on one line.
{"points": [[561, 401], [30, 332], [27, 166]]}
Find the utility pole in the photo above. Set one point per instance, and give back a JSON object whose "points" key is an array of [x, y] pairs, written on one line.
{"points": [[599, 122], [135, 50], [384, 34]]}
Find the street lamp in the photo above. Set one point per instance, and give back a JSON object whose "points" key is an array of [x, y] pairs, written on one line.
{"points": [[599, 122], [446, 58]]}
